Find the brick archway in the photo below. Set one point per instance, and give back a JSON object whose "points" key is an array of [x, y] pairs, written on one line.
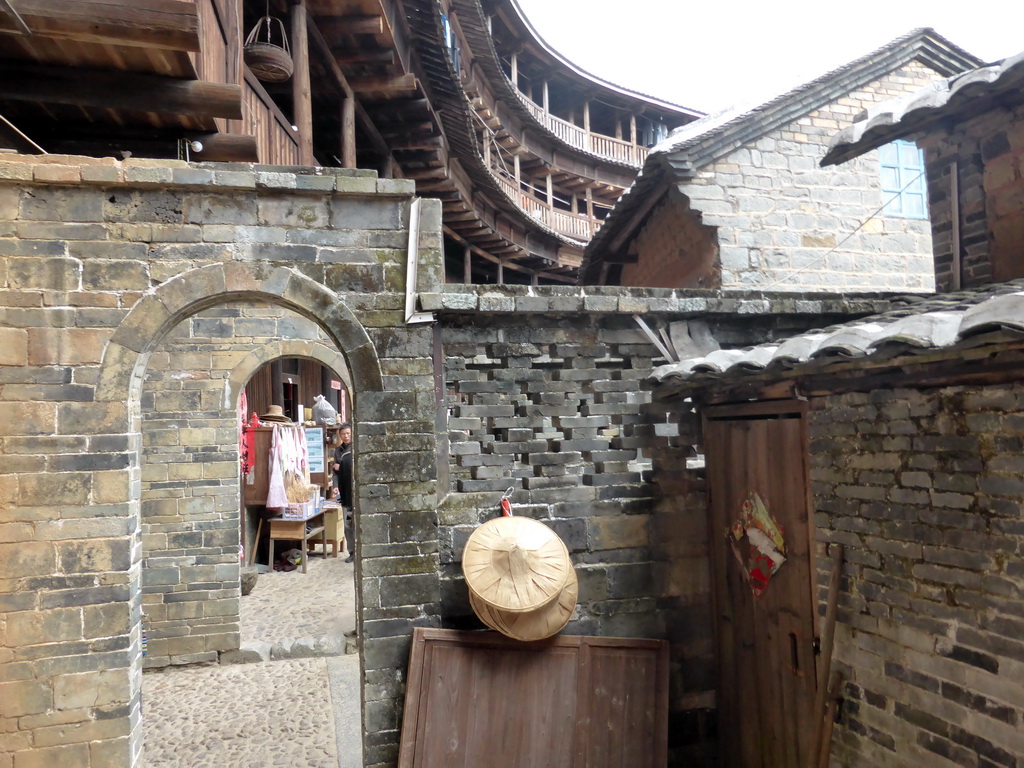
{"points": [[125, 357]]}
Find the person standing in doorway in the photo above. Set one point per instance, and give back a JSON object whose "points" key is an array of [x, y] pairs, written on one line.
{"points": [[342, 468]]}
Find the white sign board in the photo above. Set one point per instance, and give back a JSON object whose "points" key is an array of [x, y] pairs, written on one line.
{"points": [[315, 445]]}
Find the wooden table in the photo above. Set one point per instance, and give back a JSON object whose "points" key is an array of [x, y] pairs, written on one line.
{"points": [[296, 529]]}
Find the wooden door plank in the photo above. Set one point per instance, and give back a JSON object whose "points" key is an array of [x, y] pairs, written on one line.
{"points": [[481, 699], [765, 643]]}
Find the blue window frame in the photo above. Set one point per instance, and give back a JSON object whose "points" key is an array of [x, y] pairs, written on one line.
{"points": [[904, 193]]}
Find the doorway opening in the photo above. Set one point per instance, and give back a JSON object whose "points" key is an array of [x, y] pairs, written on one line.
{"points": [[298, 579]]}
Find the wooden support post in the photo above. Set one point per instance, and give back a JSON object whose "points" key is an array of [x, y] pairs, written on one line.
{"points": [[618, 127], [820, 711], [487, 148], [515, 70], [501, 271], [515, 163], [348, 132], [551, 191], [545, 98], [574, 203], [302, 103], [632, 129], [590, 210], [467, 266], [586, 121], [276, 383]]}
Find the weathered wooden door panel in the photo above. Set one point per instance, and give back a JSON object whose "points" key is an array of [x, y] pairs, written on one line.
{"points": [[619, 703], [469, 694], [479, 699], [766, 662]]}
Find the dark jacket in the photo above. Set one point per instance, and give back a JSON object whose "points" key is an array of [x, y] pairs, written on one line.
{"points": [[343, 475]]}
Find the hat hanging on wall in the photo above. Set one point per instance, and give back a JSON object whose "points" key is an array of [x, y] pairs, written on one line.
{"points": [[520, 578], [275, 413]]}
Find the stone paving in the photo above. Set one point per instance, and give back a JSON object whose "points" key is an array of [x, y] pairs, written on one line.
{"points": [[299, 709], [288, 611]]}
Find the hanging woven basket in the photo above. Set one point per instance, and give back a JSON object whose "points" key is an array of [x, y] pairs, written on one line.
{"points": [[269, 61]]}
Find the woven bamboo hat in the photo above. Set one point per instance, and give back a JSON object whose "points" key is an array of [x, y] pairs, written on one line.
{"points": [[275, 413], [520, 578]]}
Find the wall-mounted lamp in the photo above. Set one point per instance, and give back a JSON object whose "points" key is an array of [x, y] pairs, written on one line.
{"points": [[187, 146]]}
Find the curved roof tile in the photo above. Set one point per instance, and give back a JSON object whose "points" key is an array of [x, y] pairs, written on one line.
{"points": [[901, 117], [918, 324]]}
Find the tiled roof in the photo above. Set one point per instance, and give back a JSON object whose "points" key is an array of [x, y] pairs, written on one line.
{"points": [[961, 96], [677, 158], [915, 326]]}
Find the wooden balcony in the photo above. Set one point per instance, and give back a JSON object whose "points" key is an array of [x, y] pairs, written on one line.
{"points": [[596, 144], [577, 226]]}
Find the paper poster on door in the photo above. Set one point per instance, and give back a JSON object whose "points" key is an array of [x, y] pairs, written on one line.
{"points": [[766, 547]]}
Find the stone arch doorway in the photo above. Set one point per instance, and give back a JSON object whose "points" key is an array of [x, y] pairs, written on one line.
{"points": [[202, 571]]}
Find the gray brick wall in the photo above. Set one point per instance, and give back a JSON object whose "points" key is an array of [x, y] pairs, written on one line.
{"points": [[985, 153], [923, 490], [781, 223]]}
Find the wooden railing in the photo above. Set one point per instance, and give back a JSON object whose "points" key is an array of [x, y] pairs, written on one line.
{"points": [[575, 136], [276, 142], [572, 225]]}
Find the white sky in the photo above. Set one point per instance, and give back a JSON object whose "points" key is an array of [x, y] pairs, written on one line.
{"points": [[711, 54]]}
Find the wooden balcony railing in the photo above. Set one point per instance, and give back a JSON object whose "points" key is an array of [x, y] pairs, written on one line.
{"points": [[576, 226], [276, 142], [575, 136]]}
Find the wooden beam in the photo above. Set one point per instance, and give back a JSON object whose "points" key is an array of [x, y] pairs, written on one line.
{"points": [[219, 147], [345, 56], [164, 24], [397, 84], [351, 25], [316, 35], [7, 9], [107, 89], [302, 100]]}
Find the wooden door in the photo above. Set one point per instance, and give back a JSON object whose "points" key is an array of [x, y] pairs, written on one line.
{"points": [[766, 643]]}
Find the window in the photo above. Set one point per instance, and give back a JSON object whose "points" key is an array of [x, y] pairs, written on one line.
{"points": [[903, 181]]}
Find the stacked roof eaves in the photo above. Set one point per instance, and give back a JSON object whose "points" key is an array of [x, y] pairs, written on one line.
{"points": [[474, 26]]}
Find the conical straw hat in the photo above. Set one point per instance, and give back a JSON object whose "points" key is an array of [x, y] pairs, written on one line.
{"points": [[535, 625], [515, 564]]}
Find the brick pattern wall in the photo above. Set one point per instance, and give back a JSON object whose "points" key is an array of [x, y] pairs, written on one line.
{"points": [[785, 224], [674, 250], [923, 490], [987, 153]]}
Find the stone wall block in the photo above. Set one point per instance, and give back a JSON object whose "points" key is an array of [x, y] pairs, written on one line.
{"points": [[367, 214], [185, 291], [54, 274], [148, 317], [291, 211], [92, 418]]}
